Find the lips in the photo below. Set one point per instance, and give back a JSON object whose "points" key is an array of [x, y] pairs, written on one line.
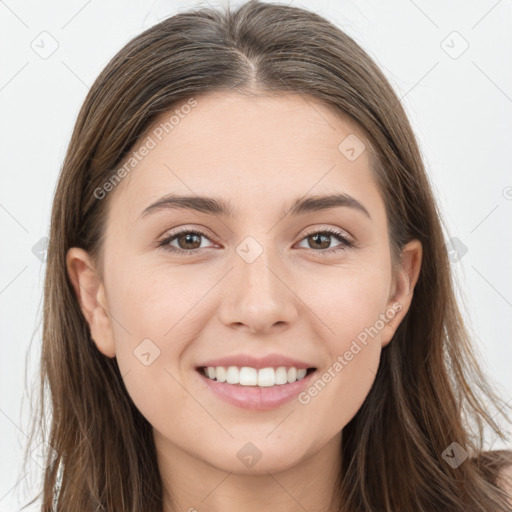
{"points": [[256, 397], [267, 361], [253, 397]]}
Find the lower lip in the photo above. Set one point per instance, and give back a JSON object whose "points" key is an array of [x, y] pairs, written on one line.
{"points": [[257, 398]]}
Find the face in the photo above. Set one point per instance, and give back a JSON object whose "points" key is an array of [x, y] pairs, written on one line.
{"points": [[185, 288]]}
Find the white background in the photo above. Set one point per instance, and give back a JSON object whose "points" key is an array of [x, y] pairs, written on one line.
{"points": [[461, 110]]}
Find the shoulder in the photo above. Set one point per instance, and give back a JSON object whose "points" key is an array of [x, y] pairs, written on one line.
{"points": [[501, 462], [496, 465], [505, 480]]}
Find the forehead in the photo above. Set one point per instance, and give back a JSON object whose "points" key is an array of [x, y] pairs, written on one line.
{"points": [[255, 148]]}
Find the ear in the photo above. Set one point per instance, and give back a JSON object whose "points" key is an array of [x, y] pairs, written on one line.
{"points": [[403, 287], [90, 292]]}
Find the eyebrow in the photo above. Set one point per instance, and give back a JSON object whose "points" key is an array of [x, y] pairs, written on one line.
{"points": [[213, 206]]}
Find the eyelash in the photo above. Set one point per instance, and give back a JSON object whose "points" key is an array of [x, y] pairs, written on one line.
{"points": [[346, 244]]}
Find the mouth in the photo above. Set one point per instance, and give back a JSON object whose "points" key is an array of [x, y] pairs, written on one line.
{"points": [[247, 376], [254, 389]]}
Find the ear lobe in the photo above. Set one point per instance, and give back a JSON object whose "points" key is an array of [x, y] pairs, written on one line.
{"points": [[90, 293], [406, 279]]}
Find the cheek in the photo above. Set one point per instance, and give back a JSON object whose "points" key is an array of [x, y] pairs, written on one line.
{"points": [[349, 303], [151, 321], [351, 309], [154, 303]]}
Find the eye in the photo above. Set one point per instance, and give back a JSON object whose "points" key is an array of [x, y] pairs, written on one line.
{"points": [[187, 238], [323, 238], [189, 241]]}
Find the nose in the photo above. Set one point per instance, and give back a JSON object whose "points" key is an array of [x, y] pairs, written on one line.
{"points": [[258, 296]]}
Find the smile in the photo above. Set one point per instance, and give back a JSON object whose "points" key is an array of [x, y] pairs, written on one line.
{"points": [[241, 386], [248, 376]]}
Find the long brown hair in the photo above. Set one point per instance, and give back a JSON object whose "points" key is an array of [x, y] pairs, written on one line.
{"points": [[429, 391]]}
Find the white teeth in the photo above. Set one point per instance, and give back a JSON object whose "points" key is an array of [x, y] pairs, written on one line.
{"points": [[301, 373], [219, 373], [266, 377], [233, 375], [247, 376], [281, 375]]}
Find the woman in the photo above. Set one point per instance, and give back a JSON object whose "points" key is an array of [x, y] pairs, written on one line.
{"points": [[255, 369]]}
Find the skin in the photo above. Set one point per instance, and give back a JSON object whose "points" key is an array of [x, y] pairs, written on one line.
{"points": [[260, 153]]}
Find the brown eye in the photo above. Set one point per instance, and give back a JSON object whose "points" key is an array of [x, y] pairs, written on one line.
{"points": [[187, 240], [321, 240]]}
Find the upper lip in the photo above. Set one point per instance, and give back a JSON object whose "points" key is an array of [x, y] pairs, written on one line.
{"points": [[268, 361]]}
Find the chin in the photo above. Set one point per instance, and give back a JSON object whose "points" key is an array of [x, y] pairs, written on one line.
{"points": [[256, 458]]}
